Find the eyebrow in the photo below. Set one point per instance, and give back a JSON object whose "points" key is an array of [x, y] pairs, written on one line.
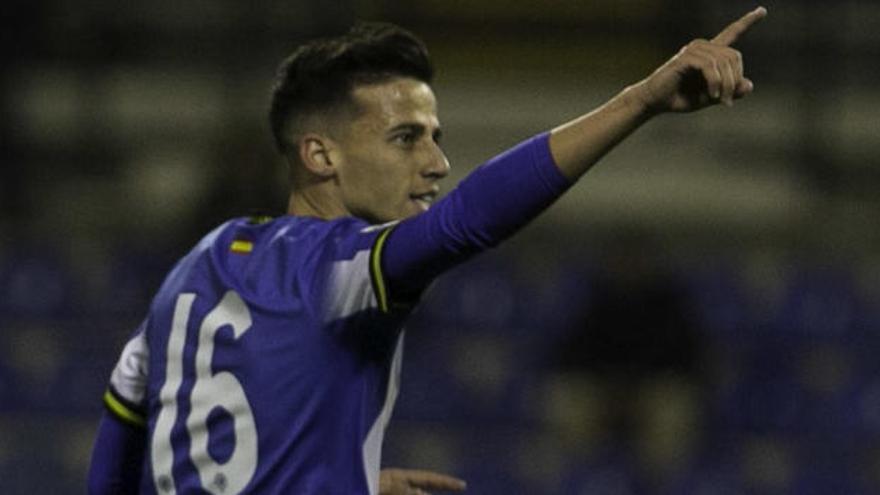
{"points": [[407, 126], [416, 128]]}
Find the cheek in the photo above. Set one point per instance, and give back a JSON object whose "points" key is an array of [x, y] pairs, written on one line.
{"points": [[385, 177], [374, 188], [379, 181], [359, 177]]}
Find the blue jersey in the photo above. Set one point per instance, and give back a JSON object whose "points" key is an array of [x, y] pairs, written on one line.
{"points": [[268, 363]]}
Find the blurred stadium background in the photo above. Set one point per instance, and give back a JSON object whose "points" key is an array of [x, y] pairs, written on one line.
{"points": [[700, 316]]}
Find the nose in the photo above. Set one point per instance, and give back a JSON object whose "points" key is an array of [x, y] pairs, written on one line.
{"points": [[437, 166]]}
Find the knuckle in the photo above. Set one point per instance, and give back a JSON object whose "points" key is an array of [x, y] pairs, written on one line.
{"points": [[734, 56], [728, 68]]}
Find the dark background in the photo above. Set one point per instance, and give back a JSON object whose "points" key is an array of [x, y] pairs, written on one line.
{"points": [[699, 315]]}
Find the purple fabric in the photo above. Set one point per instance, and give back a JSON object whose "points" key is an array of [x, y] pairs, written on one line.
{"points": [[488, 206], [117, 457]]}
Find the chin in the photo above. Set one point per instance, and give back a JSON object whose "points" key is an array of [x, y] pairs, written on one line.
{"points": [[413, 212], [383, 219], [403, 214]]}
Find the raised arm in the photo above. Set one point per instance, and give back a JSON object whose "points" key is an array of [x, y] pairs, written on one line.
{"points": [[702, 73], [504, 194]]}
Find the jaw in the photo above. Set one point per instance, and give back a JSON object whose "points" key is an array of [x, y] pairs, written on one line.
{"points": [[378, 210]]}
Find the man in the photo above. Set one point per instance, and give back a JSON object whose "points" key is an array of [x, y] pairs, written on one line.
{"points": [[269, 359]]}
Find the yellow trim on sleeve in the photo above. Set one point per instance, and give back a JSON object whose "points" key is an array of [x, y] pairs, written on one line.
{"points": [[376, 269], [122, 411]]}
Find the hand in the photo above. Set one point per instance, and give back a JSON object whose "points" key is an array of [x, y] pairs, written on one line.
{"points": [[415, 482], [703, 73]]}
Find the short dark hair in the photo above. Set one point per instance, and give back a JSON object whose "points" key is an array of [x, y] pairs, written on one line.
{"points": [[320, 75]]}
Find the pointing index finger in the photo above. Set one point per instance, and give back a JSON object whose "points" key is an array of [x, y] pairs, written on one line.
{"points": [[733, 31]]}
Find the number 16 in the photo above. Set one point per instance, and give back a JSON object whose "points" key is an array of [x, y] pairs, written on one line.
{"points": [[211, 390]]}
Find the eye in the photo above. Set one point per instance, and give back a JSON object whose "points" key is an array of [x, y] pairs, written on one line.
{"points": [[404, 138]]}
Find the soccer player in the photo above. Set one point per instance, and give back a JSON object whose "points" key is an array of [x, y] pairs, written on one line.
{"points": [[269, 359]]}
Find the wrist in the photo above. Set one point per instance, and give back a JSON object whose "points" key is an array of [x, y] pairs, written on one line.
{"points": [[638, 99]]}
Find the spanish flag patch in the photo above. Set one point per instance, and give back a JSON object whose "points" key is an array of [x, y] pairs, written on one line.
{"points": [[241, 246]]}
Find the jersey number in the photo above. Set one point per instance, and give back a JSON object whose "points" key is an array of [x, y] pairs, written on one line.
{"points": [[211, 390]]}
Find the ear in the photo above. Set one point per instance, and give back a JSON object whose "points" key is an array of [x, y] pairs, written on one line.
{"points": [[316, 152]]}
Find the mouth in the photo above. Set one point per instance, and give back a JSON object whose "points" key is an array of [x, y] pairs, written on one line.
{"points": [[424, 200]]}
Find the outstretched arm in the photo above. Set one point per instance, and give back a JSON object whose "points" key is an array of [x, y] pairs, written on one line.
{"points": [[703, 73], [510, 190]]}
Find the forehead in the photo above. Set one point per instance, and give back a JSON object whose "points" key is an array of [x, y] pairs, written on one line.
{"points": [[396, 101]]}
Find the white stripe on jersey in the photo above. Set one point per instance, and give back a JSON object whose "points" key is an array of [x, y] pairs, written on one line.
{"points": [[129, 377], [372, 449], [350, 289], [375, 228]]}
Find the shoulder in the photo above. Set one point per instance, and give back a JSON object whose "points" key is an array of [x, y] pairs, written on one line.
{"points": [[287, 243], [284, 243], [244, 235], [339, 238]]}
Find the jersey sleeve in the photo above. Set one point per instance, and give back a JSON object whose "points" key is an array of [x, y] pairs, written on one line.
{"points": [[117, 457], [355, 282], [489, 205], [125, 396]]}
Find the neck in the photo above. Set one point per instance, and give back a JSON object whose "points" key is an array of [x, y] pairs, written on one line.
{"points": [[316, 200]]}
